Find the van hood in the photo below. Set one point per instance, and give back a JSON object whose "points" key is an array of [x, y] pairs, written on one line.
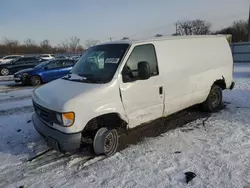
{"points": [[57, 93]]}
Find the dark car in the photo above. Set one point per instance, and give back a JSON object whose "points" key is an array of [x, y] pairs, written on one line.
{"points": [[44, 72], [18, 64], [61, 57]]}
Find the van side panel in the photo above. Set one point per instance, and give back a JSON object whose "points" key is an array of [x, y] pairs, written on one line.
{"points": [[189, 67]]}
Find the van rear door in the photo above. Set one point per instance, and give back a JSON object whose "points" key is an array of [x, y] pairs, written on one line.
{"points": [[142, 99]]}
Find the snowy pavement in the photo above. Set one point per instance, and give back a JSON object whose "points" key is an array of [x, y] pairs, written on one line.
{"points": [[216, 148]]}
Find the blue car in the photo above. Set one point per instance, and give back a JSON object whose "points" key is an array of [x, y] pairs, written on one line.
{"points": [[44, 72]]}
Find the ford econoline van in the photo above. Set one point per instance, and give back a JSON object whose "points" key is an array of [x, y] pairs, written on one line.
{"points": [[120, 85]]}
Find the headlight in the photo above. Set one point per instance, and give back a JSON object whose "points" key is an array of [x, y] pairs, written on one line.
{"points": [[59, 118], [66, 119]]}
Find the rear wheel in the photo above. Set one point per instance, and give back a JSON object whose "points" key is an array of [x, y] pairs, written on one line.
{"points": [[5, 72], [213, 102], [106, 142], [35, 80]]}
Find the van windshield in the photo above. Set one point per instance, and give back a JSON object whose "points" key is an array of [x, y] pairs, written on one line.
{"points": [[99, 63]]}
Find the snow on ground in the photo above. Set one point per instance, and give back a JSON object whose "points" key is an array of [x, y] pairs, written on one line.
{"points": [[219, 152], [15, 94], [10, 86], [16, 104]]}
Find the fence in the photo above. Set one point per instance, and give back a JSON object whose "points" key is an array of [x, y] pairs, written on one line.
{"points": [[241, 52]]}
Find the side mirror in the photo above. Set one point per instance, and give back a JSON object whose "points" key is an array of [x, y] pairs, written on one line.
{"points": [[125, 71], [45, 68], [143, 70]]}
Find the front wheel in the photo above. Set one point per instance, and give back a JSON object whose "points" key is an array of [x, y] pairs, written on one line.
{"points": [[106, 142], [5, 72], [213, 102], [35, 80]]}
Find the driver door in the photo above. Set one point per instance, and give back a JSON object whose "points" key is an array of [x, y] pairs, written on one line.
{"points": [[142, 99], [52, 71]]}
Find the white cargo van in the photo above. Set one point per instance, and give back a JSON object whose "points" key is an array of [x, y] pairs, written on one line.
{"points": [[120, 85]]}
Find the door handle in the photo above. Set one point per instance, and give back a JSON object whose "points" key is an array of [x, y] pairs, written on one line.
{"points": [[160, 90]]}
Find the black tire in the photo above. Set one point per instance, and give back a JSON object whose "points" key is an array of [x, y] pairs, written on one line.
{"points": [[4, 72], [106, 142], [213, 103], [35, 80]]}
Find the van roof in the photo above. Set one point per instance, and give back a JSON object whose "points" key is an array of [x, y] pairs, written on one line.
{"points": [[162, 38]]}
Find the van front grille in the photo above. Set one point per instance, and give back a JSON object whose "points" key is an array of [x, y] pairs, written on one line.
{"points": [[43, 113]]}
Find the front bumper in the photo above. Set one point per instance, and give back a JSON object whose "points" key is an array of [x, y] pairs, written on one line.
{"points": [[57, 140], [20, 78]]}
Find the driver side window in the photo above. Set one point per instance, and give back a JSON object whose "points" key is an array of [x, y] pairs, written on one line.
{"points": [[9, 57], [19, 61], [54, 65], [140, 53]]}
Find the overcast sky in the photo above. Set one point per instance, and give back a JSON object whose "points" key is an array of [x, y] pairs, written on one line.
{"points": [[57, 20]]}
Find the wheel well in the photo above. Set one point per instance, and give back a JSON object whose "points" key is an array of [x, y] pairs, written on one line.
{"points": [[111, 120], [221, 83]]}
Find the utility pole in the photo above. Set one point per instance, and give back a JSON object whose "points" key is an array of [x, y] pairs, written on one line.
{"points": [[176, 28], [249, 26]]}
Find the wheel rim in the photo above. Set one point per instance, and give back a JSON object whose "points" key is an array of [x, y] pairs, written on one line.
{"points": [[111, 142], [5, 72], [215, 99], [35, 81]]}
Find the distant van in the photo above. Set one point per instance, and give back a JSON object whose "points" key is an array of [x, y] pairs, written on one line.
{"points": [[120, 85]]}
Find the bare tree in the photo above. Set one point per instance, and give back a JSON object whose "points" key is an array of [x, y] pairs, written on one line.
{"points": [[29, 42], [80, 49], [91, 42], [175, 34], [10, 42], [158, 35], [11, 45], [65, 46], [238, 30], [45, 43], [194, 27], [73, 43], [45, 46]]}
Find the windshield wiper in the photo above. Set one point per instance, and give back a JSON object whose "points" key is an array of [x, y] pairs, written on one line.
{"points": [[87, 78], [67, 77]]}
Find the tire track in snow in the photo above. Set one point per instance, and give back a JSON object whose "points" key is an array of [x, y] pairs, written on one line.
{"points": [[19, 110], [160, 126], [52, 160], [16, 105], [12, 99], [9, 89]]}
